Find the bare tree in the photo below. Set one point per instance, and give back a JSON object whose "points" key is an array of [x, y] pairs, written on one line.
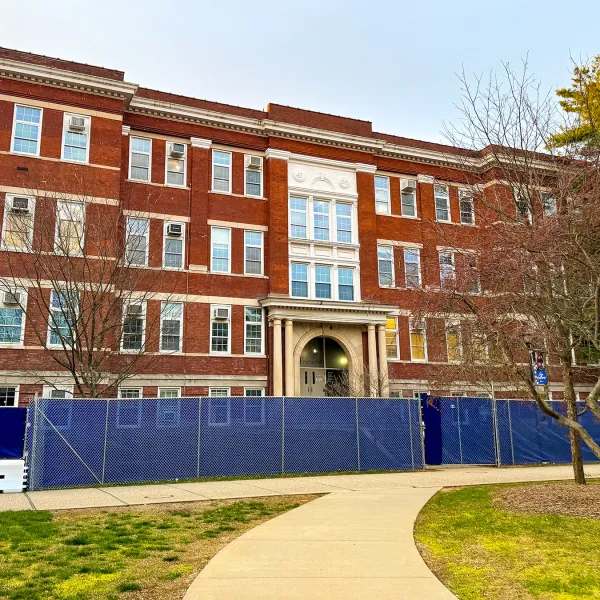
{"points": [[356, 384]]}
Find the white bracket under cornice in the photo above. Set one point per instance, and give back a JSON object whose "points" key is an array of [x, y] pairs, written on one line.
{"points": [[430, 179], [276, 153], [200, 143], [365, 168], [125, 129]]}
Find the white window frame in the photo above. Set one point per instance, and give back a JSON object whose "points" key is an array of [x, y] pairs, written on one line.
{"points": [[486, 347], [262, 408], [411, 327], [262, 331], [328, 214], [336, 275], [437, 187], [146, 237], [351, 218], [406, 249], [16, 400], [331, 282], [212, 247], [48, 389], [306, 212], [261, 171], [168, 148], [229, 321], [467, 197], [160, 424], [308, 279], [49, 344], [139, 408], [7, 204], [143, 317], [396, 332], [14, 129], [230, 171], [162, 315], [543, 196], [452, 277], [262, 252], [522, 198], [87, 131], [393, 282], [172, 237], [388, 210], [163, 388], [414, 197], [22, 307], [149, 153], [211, 422], [449, 326], [57, 244]]}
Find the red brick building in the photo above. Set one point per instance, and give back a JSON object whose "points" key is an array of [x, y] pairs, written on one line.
{"points": [[296, 236]]}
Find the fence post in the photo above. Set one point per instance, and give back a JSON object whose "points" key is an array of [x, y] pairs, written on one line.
{"points": [[357, 433], [282, 435], [105, 441], [512, 447], [422, 432], [496, 431], [459, 430], [33, 443], [199, 428], [410, 434]]}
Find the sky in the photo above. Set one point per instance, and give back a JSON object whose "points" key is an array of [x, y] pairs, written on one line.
{"points": [[393, 63]]}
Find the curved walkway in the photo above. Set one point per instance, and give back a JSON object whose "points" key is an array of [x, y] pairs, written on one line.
{"points": [[348, 544]]}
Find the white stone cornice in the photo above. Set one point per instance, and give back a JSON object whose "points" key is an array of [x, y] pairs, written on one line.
{"points": [[364, 168], [125, 129], [426, 179], [276, 153], [200, 143]]}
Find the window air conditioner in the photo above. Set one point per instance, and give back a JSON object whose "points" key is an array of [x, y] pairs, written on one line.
{"points": [[408, 186], [12, 297], [134, 310], [77, 123], [177, 150], [253, 162], [174, 229], [221, 313], [465, 195], [20, 204]]}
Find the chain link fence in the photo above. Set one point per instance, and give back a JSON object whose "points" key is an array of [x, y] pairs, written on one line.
{"points": [[79, 442]]}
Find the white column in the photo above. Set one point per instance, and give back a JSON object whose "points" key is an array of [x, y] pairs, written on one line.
{"points": [[383, 366], [289, 358], [372, 383], [277, 359]]}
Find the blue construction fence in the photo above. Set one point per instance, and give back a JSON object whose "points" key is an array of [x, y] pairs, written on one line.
{"points": [[12, 432]]}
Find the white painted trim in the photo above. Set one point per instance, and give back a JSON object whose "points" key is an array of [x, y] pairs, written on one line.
{"points": [[171, 237], [200, 143], [87, 131], [14, 127], [279, 154], [229, 324], [181, 321], [229, 252], [233, 225], [262, 333], [212, 174], [262, 252], [129, 177], [169, 144], [7, 202]]}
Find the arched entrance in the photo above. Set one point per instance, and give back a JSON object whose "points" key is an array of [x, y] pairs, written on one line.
{"points": [[323, 368]]}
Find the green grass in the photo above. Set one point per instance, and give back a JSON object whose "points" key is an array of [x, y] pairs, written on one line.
{"points": [[123, 552], [482, 552]]}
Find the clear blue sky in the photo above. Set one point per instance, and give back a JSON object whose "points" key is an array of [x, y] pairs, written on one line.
{"points": [[391, 62]]}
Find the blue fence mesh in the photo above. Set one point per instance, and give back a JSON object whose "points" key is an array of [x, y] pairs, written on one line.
{"points": [[12, 432]]}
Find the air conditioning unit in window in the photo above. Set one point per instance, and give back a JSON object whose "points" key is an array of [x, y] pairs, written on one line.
{"points": [[253, 162], [77, 123], [408, 186], [12, 297], [175, 229], [134, 310], [20, 204], [221, 312], [177, 150], [465, 195]]}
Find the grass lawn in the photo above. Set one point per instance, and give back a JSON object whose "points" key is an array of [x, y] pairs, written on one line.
{"points": [[483, 547], [149, 552]]}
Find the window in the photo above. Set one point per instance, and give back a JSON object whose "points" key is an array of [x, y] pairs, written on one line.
{"points": [[9, 396], [171, 319], [395, 394], [61, 321], [453, 345], [343, 213], [134, 325], [176, 164], [322, 282], [253, 330], [300, 280], [391, 338], [480, 347], [472, 273], [169, 392], [26, 130], [219, 410], [345, 284], [140, 163], [221, 242], [442, 202], [220, 330], [69, 228], [12, 318], [17, 225], [130, 393], [136, 234], [253, 252], [168, 408], [298, 217], [412, 267], [385, 256], [418, 348], [522, 206], [76, 136], [221, 171], [321, 220], [254, 407], [129, 408], [174, 241], [408, 193], [467, 211], [382, 195], [254, 392], [253, 176], [447, 270], [549, 204]]}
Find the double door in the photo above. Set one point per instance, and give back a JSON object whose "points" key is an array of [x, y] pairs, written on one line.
{"points": [[312, 382]]}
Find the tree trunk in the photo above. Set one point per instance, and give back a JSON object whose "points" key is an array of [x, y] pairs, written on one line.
{"points": [[574, 437]]}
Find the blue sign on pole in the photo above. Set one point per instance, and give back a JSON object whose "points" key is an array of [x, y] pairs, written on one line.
{"points": [[541, 377]]}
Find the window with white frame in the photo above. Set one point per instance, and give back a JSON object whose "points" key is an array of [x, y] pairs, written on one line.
{"points": [[220, 250], [408, 197], [253, 330], [412, 267], [174, 243], [130, 393], [298, 217], [219, 409], [418, 342], [129, 408], [171, 325], [522, 206], [27, 128], [12, 316], [253, 175], [300, 280], [140, 158], [253, 252], [134, 326], [176, 164], [391, 338], [17, 225], [9, 396], [170, 392], [76, 138], [549, 203], [221, 171], [442, 202], [68, 238], [323, 282], [467, 207], [254, 407], [447, 268], [382, 195], [62, 319], [480, 346], [168, 409], [321, 220], [385, 258], [254, 392], [136, 239], [220, 329], [453, 343], [343, 214], [57, 392], [472, 272], [345, 283]]}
